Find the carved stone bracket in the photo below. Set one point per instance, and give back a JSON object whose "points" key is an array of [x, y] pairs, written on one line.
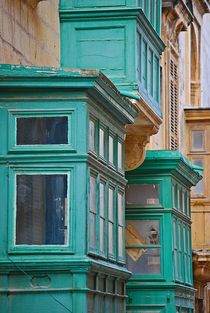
{"points": [[176, 18], [146, 124], [34, 3]]}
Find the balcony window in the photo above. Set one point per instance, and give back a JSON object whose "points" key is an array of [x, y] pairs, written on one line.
{"points": [[41, 209], [143, 194], [143, 246]]}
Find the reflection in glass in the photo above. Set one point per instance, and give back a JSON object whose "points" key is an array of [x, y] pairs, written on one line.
{"points": [[146, 261], [102, 217], [111, 149], [142, 232], [120, 225], [102, 143], [92, 135], [144, 194], [41, 209], [199, 188], [111, 221], [92, 211], [42, 130], [120, 155], [197, 140]]}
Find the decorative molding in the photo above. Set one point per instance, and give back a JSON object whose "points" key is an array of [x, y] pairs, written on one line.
{"points": [[146, 124], [176, 18]]}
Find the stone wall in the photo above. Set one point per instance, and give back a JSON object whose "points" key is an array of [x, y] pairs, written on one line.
{"points": [[29, 35], [205, 62]]}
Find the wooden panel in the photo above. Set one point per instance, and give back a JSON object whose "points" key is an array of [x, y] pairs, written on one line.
{"points": [[109, 49]]}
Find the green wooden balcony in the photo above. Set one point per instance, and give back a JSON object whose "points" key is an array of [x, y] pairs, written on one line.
{"points": [[121, 39]]}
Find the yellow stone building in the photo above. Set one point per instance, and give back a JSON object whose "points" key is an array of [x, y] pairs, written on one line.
{"points": [[186, 117]]}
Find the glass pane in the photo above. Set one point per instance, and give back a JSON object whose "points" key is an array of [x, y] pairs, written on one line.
{"points": [[111, 208], [111, 285], [102, 143], [143, 261], [42, 130], [120, 155], [91, 281], [142, 232], [199, 188], [102, 284], [41, 217], [92, 193], [111, 149], [102, 234], [197, 140], [142, 194], [120, 241], [92, 135], [120, 209], [111, 238], [121, 288], [102, 198], [92, 230]]}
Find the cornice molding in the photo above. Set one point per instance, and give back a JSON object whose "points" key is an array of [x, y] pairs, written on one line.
{"points": [[18, 78], [171, 163], [117, 13], [197, 114]]}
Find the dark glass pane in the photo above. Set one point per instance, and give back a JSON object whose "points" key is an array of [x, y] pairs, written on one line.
{"points": [[42, 130], [143, 261], [142, 194], [91, 281], [102, 284], [41, 217]]}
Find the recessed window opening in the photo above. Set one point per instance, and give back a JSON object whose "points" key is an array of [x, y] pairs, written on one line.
{"points": [[197, 140]]}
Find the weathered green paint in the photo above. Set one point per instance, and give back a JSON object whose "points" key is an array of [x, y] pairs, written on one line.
{"points": [[49, 278], [119, 40], [172, 289]]}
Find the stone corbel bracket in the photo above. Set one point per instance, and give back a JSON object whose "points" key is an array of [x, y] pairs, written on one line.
{"points": [[146, 124], [34, 3]]}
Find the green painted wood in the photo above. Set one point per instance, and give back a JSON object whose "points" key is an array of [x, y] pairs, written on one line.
{"points": [[172, 289], [55, 278], [126, 46], [151, 8]]}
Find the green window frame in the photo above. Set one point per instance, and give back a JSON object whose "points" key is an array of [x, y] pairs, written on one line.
{"points": [[182, 252], [157, 196], [105, 216], [142, 247], [37, 248], [14, 114], [100, 137]]}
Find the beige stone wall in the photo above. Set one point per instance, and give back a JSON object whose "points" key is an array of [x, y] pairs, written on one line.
{"points": [[29, 35]]}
